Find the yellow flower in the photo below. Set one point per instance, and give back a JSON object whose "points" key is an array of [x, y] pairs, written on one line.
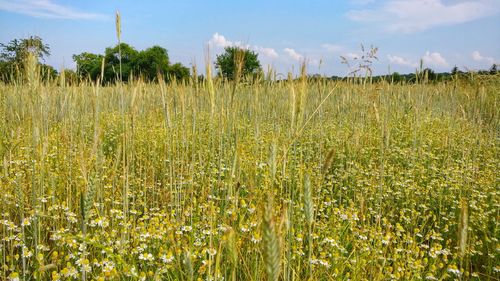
{"points": [[54, 255], [55, 276], [14, 276]]}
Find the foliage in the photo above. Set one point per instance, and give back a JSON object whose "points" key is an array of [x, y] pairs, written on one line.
{"points": [[48, 72], [88, 65], [429, 74], [151, 62], [147, 64], [233, 58], [16, 50], [494, 69], [178, 72], [112, 62], [14, 54]]}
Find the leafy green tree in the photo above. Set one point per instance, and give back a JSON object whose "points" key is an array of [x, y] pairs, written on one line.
{"points": [[493, 69], [151, 62], [227, 63], [396, 77], [5, 71], [14, 53], [88, 65], [47, 72], [431, 75], [178, 71], [18, 49], [112, 62]]}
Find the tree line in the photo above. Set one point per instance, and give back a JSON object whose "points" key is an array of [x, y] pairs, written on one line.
{"points": [[149, 64], [125, 62], [122, 61]]}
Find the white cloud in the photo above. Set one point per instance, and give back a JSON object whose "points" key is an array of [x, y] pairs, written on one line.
{"points": [[478, 57], [435, 59], [332, 48], [361, 2], [220, 41], [401, 61], [351, 56], [46, 9], [293, 54], [268, 52], [410, 16]]}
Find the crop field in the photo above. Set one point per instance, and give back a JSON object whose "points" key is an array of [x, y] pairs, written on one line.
{"points": [[299, 179]]}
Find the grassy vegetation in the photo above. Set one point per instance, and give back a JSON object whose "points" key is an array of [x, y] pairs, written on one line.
{"points": [[305, 179]]}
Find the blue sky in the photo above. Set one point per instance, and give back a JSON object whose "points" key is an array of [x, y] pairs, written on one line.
{"points": [[441, 33]]}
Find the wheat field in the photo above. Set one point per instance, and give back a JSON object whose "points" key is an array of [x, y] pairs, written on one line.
{"points": [[265, 180]]}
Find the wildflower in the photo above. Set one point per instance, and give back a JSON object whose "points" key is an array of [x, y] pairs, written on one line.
{"points": [[299, 238], [211, 251], [256, 238], [84, 265], [108, 266], [197, 243], [187, 228], [146, 257], [26, 222], [14, 276], [55, 276], [454, 270], [26, 252], [168, 258]]}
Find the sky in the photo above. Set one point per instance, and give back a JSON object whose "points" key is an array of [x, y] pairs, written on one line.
{"points": [[440, 33]]}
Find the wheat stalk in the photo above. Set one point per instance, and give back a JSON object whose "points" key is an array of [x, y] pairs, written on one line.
{"points": [[462, 228], [270, 238]]}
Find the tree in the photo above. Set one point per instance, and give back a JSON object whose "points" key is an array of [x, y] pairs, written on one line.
{"points": [[431, 75], [151, 62], [396, 77], [88, 65], [147, 63], [178, 71], [112, 60], [47, 72], [493, 69], [18, 49], [236, 61], [14, 53]]}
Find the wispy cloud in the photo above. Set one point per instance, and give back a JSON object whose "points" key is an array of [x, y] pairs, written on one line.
{"points": [[435, 59], [332, 48], [411, 16], [429, 59], [480, 58], [218, 40], [268, 52], [361, 2], [401, 61], [293, 54], [46, 9]]}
